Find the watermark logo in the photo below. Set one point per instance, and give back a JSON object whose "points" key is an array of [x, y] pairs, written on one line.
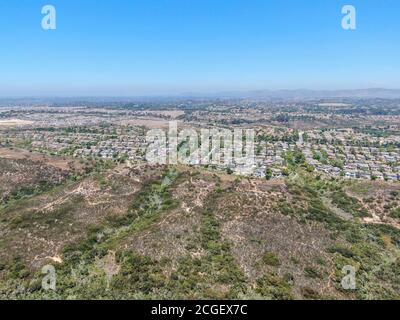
{"points": [[49, 280], [49, 20], [220, 147], [349, 280], [349, 21]]}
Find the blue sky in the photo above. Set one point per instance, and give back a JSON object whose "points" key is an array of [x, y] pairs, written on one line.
{"points": [[146, 47]]}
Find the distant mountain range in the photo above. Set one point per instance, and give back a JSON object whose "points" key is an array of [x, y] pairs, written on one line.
{"points": [[312, 94]]}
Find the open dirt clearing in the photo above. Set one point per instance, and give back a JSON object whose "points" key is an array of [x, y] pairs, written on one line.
{"points": [[62, 163], [14, 123]]}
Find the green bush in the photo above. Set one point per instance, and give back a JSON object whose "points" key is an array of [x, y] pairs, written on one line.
{"points": [[271, 286], [312, 273], [395, 213], [270, 259]]}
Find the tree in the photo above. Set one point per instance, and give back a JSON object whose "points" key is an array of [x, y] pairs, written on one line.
{"points": [[268, 174]]}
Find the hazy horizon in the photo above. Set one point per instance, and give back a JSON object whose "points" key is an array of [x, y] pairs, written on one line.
{"points": [[261, 93]]}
